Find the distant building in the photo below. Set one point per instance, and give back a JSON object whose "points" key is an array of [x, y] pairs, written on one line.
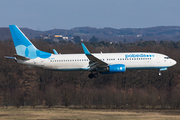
{"points": [[65, 38], [46, 37], [58, 36], [121, 35]]}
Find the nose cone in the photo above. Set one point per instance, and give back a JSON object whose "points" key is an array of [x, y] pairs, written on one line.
{"points": [[173, 62]]}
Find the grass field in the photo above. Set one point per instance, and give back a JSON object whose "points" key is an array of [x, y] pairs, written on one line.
{"points": [[88, 114]]}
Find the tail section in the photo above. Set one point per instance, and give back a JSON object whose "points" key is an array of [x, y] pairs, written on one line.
{"points": [[23, 46]]}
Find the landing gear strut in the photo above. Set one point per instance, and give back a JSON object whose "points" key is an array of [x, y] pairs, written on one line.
{"points": [[95, 75], [159, 73]]}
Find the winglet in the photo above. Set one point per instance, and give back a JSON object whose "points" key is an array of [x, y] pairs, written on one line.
{"points": [[55, 52], [86, 51]]}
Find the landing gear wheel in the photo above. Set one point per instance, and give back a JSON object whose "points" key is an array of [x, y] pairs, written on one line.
{"points": [[95, 75], [91, 76]]}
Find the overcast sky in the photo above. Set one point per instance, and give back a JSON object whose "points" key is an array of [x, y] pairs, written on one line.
{"points": [[66, 14]]}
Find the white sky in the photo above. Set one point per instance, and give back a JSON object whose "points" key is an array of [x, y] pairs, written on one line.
{"points": [[67, 14]]}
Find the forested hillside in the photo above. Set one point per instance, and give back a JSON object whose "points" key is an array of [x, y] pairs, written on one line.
{"points": [[169, 33], [22, 85]]}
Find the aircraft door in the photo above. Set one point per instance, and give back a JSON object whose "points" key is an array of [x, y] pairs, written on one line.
{"points": [[42, 63]]}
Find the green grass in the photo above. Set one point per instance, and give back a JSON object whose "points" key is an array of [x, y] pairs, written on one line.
{"points": [[88, 114]]}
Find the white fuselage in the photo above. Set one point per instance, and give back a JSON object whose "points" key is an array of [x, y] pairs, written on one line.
{"points": [[73, 62]]}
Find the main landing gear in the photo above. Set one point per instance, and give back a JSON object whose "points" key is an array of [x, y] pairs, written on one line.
{"points": [[95, 75]]}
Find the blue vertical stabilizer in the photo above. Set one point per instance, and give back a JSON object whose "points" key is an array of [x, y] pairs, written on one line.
{"points": [[23, 46]]}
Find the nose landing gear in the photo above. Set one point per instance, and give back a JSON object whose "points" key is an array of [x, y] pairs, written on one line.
{"points": [[159, 73], [161, 69]]}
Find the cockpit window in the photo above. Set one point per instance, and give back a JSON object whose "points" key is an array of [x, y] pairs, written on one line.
{"points": [[166, 57]]}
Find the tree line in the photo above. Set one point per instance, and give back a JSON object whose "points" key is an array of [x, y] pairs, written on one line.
{"points": [[21, 85]]}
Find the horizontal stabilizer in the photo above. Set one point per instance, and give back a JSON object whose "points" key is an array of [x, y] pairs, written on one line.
{"points": [[18, 57], [10, 57]]}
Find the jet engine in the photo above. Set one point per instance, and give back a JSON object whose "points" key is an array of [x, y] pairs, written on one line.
{"points": [[115, 69]]}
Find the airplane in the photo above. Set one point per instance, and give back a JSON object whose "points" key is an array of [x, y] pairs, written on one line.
{"points": [[95, 63]]}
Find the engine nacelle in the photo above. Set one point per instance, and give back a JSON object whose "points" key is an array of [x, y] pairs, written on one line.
{"points": [[115, 69]]}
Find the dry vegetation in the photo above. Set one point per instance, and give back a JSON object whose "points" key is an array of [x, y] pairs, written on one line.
{"points": [[82, 114]]}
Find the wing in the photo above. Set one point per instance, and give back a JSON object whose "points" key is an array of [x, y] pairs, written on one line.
{"points": [[94, 63]]}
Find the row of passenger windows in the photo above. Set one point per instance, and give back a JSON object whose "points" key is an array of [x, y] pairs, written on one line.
{"points": [[134, 58], [69, 60], [100, 59]]}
